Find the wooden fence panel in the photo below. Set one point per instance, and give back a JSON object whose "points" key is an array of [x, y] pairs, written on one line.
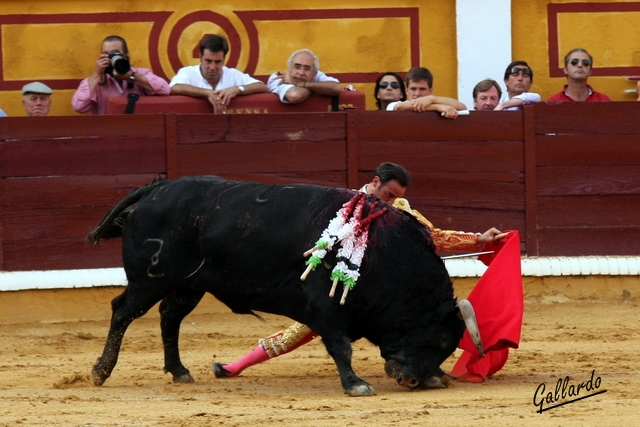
{"points": [[82, 146], [257, 128], [53, 127], [282, 148], [589, 211], [589, 241], [46, 220], [468, 174], [586, 118], [588, 179], [584, 180], [588, 149], [566, 176], [60, 254], [409, 126]]}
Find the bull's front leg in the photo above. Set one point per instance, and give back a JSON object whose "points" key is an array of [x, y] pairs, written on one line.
{"points": [[339, 347]]}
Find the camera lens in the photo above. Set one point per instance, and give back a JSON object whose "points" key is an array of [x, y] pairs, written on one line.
{"points": [[119, 62]]}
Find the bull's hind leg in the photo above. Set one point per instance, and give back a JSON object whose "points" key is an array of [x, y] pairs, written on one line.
{"points": [[125, 309], [173, 309]]}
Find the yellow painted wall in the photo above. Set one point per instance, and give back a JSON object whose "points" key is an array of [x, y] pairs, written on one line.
{"points": [[62, 51], [612, 38], [374, 45]]}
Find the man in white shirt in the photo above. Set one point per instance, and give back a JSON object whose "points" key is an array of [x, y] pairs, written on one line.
{"points": [[518, 78], [211, 79], [303, 79]]}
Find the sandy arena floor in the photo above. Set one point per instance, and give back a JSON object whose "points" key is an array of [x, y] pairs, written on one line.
{"points": [[44, 380]]}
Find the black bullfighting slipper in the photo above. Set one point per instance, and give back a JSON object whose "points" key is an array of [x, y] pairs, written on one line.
{"points": [[219, 371]]}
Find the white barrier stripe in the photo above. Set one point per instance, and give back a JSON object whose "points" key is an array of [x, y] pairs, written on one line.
{"points": [[61, 279], [459, 267], [555, 266]]}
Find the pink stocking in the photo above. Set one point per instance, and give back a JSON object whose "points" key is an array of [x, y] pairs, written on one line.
{"points": [[255, 356]]}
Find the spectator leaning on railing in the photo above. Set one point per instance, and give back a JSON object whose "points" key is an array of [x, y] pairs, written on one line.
{"points": [[303, 79], [518, 78], [419, 90], [211, 79]]}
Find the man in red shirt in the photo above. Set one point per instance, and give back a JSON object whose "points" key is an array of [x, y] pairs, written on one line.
{"points": [[577, 67]]}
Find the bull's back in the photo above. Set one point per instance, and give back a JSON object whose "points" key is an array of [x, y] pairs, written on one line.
{"points": [[243, 230]]}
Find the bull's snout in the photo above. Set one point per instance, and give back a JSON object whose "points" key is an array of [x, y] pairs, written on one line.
{"points": [[393, 370], [410, 383]]}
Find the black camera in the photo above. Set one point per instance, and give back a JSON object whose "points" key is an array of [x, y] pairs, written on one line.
{"points": [[119, 62]]}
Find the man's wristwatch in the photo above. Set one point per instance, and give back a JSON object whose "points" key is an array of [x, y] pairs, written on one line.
{"points": [[132, 77], [241, 89]]}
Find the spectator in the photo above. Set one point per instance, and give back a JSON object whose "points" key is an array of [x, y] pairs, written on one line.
{"points": [[36, 99], [303, 79], [518, 78], [113, 76], [577, 67], [486, 95], [389, 88], [211, 79], [419, 89]]}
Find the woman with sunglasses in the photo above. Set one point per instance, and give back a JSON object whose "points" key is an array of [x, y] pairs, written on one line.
{"points": [[577, 67], [389, 88]]}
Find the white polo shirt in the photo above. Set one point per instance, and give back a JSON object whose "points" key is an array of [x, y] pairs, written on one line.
{"points": [[276, 86], [230, 77]]}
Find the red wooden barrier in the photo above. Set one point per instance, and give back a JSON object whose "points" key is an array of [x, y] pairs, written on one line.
{"points": [[250, 104], [566, 176]]}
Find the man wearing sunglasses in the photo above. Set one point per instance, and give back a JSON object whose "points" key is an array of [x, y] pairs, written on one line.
{"points": [[518, 78], [419, 90], [577, 67]]}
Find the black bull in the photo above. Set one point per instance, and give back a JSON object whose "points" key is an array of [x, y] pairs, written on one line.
{"points": [[243, 242]]}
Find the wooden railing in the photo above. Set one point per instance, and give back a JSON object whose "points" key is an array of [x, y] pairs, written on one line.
{"points": [[567, 177]]}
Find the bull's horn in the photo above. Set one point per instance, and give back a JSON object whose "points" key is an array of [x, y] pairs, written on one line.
{"points": [[469, 317]]}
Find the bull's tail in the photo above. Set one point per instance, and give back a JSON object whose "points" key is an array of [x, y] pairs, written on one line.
{"points": [[112, 225]]}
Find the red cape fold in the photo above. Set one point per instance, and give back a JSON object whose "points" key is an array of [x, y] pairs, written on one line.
{"points": [[498, 302]]}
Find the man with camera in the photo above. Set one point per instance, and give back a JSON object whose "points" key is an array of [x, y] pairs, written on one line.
{"points": [[114, 76]]}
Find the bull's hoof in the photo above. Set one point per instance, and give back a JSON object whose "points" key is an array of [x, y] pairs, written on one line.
{"points": [[219, 371], [439, 379], [97, 379], [183, 379], [433, 382], [361, 390]]}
